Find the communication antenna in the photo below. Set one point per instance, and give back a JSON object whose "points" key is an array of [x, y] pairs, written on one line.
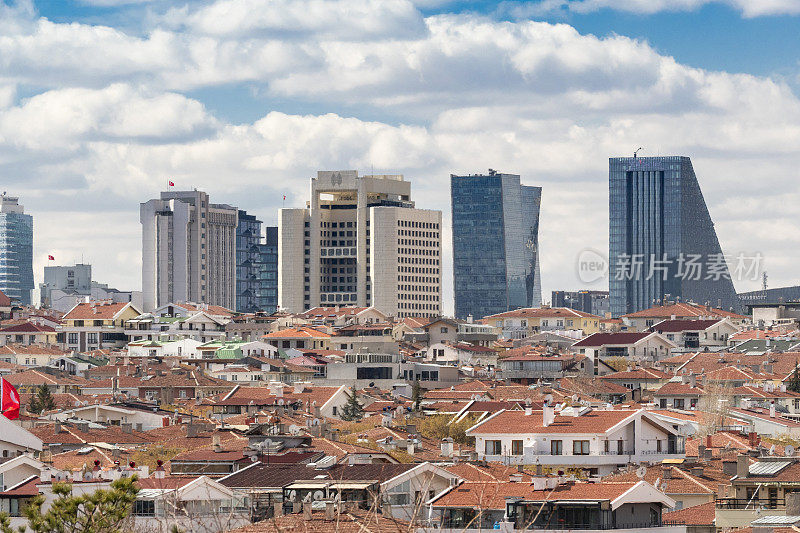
{"points": [[788, 451], [641, 472], [764, 281], [636, 152]]}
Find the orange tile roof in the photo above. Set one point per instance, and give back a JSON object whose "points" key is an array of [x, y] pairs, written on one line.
{"points": [[354, 521], [544, 312], [683, 310], [95, 310], [297, 333], [698, 515], [514, 422]]}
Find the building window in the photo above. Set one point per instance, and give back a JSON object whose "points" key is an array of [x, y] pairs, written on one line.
{"points": [[144, 508], [442, 330], [493, 447], [72, 338], [556, 447], [580, 447], [516, 447]]}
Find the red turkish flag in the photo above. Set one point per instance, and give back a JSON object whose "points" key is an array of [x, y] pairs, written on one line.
{"points": [[9, 400], [171, 184], [51, 258]]}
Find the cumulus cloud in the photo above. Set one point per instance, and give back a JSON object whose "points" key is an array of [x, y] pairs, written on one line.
{"points": [[748, 8], [115, 120]]}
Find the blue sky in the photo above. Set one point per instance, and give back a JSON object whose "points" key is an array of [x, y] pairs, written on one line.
{"points": [[103, 101]]}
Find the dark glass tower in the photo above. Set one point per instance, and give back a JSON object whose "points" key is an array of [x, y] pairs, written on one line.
{"points": [[256, 266], [495, 244], [16, 250], [660, 229]]}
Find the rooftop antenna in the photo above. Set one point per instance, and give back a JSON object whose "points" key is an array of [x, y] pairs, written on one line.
{"points": [[764, 280], [636, 152]]}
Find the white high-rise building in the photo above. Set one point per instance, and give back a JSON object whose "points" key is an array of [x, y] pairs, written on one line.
{"points": [[360, 241], [188, 250]]}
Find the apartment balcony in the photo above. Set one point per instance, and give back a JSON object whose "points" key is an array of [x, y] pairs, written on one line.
{"points": [[735, 513]]}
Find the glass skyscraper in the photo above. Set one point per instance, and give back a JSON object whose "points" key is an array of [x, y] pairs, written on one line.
{"points": [[495, 244], [256, 266], [16, 250], [662, 243]]}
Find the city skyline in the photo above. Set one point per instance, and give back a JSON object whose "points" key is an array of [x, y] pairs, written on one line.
{"points": [[575, 90]]}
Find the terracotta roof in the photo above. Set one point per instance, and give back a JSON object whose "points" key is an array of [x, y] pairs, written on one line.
{"points": [[544, 312], [757, 334], [678, 325], [514, 422], [80, 458], [297, 333], [486, 472], [328, 312], [682, 310], [5, 301], [27, 327], [209, 309], [36, 377], [95, 310], [27, 487], [638, 373], [698, 515], [166, 482], [673, 388]]}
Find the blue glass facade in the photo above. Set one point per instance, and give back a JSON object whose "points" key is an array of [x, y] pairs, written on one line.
{"points": [[658, 224], [16, 251], [256, 266], [495, 223]]}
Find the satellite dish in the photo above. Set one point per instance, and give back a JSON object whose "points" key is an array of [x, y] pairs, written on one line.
{"points": [[664, 486], [292, 495], [788, 451], [772, 450], [641, 472], [318, 495]]}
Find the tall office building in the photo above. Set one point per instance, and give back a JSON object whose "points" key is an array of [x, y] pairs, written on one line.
{"points": [[662, 243], [360, 242], [256, 266], [269, 274], [588, 301], [16, 250], [188, 250], [495, 244]]}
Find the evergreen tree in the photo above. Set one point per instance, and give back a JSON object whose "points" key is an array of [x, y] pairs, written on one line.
{"points": [[103, 511], [416, 395], [42, 400], [353, 410]]}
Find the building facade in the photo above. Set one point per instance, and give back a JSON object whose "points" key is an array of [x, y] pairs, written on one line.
{"points": [[16, 250], [360, 241], [66, 286], [269, 272], [256, 266], [188, 250], [495, 244], [594, 302], [662, 242]]}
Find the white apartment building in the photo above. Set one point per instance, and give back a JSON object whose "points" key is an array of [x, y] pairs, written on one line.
{"points": [[188, 250], [360, 241], [598, 441]]}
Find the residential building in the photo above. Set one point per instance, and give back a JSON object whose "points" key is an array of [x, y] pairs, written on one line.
{"points": [[592, 302], [638, 378], [646, 318], [522, 323], [16, 250], [496, 265], [597, 441], [662, 242], [172, 321], [646, 346], [678, 393], [526, 365], [707, 335], [66, 286], [95, 325], [188, 250], [361, 241], [27, 333], [548, 503]]}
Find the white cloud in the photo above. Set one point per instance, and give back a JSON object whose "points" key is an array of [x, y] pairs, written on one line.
{"points": [[748, 8], [465, 92]]}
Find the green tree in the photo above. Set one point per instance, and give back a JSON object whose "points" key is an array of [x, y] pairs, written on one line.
{"points": [[794, 382], [103, 511], [352, 410], [416, 395], [42, 400]]}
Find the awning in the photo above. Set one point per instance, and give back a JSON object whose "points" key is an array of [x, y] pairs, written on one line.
{"points": [[353, 485]]}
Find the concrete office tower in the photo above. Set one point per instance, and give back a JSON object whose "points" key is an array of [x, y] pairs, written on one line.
{"points": [[495, 244], [16, 250], [188, 250], [360, 242], [659, 226]]}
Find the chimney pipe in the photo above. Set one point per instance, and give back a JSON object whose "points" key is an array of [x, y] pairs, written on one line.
{"points": [[742, 466]]}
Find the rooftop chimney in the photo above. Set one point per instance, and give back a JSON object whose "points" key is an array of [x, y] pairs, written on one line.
{"points": [[742, 466], [548, 414]]}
